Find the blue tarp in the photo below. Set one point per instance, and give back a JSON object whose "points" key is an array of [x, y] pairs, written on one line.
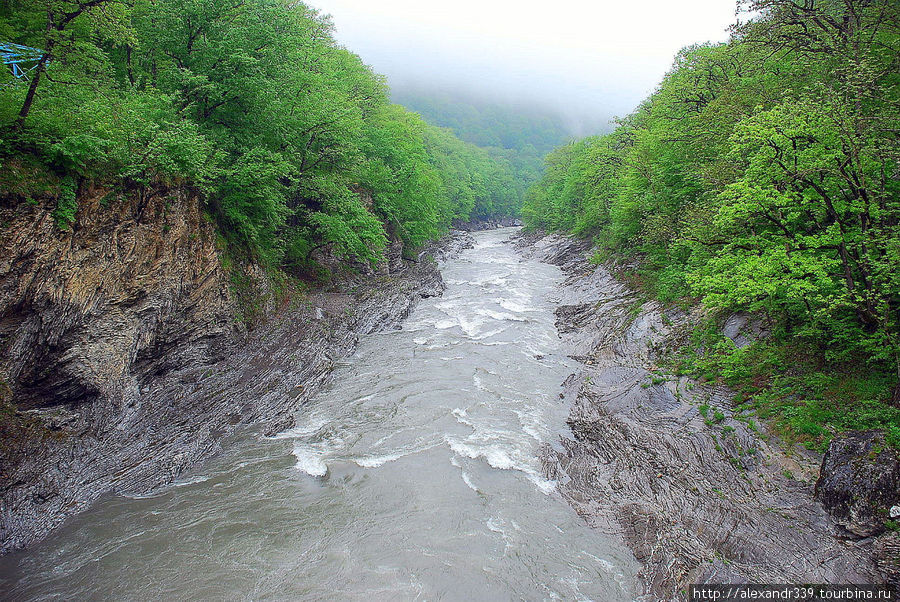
{"points": [[21, 59]]}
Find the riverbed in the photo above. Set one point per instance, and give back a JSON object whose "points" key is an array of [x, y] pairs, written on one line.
{"points": [[414, 475]]}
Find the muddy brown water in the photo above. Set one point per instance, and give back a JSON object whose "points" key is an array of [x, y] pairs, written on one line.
{"points": [[415, 475]]}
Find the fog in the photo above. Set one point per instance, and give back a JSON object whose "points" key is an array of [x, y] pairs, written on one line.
{"points": [[589, 61]]}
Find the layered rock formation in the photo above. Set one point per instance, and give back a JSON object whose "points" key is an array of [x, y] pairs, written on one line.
{"points": [[667, 463], [129, 284], [124, 356]]}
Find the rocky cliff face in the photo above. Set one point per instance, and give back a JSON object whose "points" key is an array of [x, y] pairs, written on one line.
{"points": [[121, 358], [128, 283], [89, 318], [688, 482]]}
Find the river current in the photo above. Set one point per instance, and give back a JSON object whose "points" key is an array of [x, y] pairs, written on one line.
{"points": [[414, 475]]}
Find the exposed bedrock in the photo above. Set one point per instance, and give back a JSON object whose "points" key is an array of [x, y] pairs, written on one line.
{"points": [[123, 362], [697, 498], [129, 283], [859, 485], [859, 482]]}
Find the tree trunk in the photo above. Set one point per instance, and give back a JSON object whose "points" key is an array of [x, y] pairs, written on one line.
{"points": [[129, 68], [895, 398], [29, 97]]}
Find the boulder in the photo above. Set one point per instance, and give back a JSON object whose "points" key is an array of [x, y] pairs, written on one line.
{"points": [[859, 482]]}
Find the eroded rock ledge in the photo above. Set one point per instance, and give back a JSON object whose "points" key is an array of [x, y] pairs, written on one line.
{"points": [[698, 501], [122, 362], [477, 225]]}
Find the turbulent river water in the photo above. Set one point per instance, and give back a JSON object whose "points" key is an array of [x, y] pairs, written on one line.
{"points": [[415, 475]]}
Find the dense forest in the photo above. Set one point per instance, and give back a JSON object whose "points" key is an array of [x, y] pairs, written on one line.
{"points": [[762, 176], [252, 103], [519, 135]]}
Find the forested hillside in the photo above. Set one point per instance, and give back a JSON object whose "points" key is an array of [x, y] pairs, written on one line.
{"points": [[762, 176], [250, 102], [485, 123], [517, 135]]}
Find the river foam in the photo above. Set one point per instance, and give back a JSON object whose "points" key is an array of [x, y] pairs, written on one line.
{"points": [[413, 474]]}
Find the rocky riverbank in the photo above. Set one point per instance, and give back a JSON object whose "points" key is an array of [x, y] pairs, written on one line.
{"points": [[124, 361], [695, 489], [477, 225]]}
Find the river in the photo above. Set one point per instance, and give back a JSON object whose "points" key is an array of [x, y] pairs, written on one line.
{"points": [[414, 475]]}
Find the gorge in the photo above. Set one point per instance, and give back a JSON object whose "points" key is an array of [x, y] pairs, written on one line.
{"points": [[266, 331]]}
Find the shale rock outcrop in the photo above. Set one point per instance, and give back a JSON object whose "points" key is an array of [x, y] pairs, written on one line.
{"points": [[134, 282], [125, 359], [668, 463]]}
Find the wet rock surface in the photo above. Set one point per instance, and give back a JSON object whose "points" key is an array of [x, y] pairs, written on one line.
{"points": [[123, 364], [860, 482], [666, 462]]}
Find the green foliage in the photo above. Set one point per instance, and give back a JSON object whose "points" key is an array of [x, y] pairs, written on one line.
{"points": [[406, 189], [354, 231], [483, 123], [761, 176], [893, 436], [475, 184], [66, 203], [514, 136], [791, 383], [251, 102]]}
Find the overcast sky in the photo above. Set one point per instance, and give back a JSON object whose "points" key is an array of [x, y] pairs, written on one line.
{"points": [[590, 60]]}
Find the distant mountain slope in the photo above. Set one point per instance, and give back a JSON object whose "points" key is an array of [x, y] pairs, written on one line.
{"points": [[519, 134], [485, 123]]}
